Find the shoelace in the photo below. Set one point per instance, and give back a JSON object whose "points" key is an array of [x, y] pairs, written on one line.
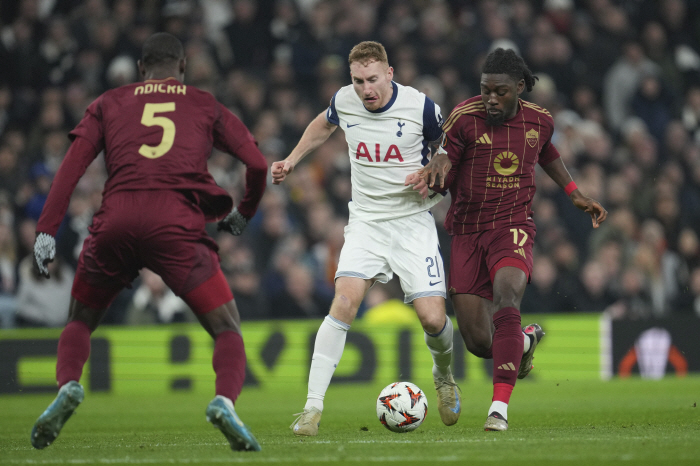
{"points": [[300, 415], [442, 381]]}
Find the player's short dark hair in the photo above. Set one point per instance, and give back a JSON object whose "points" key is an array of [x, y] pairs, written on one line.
{"points": [[368, 51], [502, 61], [160, 49]]}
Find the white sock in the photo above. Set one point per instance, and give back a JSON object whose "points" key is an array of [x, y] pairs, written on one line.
{"points": [[527, 341], [500, 407], [330, 342], [440, 346]]}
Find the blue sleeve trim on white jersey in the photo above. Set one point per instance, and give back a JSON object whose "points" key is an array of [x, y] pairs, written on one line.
{"points": [[331, 113], [432, 121]]}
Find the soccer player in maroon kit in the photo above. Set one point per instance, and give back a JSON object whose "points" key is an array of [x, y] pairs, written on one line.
{"points": [[493, 142], [156, 136]]}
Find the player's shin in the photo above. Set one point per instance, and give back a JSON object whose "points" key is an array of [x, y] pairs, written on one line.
{"points": [[440, 346], [330, 342], [73, 352], [507, 352], [229, 364], [448, 396]]}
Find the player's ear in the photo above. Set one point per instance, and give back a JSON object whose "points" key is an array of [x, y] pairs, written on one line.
{"points": [[390, 73], [182, 65], [142, 69], [520, 87]]}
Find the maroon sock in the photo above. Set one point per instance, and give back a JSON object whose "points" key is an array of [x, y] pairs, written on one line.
{"points": [[73, 352], [507, 345], [502, 392], [229, 364]]}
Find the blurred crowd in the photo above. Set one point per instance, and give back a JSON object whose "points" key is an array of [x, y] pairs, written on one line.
{"points": [[620, 77]]}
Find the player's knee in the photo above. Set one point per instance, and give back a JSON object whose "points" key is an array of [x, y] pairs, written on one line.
{"points": [[225, 326], [479, 350], [344, 308], [478, 343], [433, 323], [81, 312], [508, 298], [221, 319]]}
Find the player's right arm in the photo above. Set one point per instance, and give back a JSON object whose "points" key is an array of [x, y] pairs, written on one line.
{"points": [[444, 165], [318, 131], [80, 154], [557, 171]]}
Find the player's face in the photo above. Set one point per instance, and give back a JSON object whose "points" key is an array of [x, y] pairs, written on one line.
{"points": [[372, 83], [500, 93]]}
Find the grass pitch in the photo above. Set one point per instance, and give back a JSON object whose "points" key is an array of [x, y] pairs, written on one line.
{"points": [[623, 421]]}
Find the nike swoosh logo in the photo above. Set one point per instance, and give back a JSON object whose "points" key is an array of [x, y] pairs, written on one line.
{"points": [[458, 406], [433, 284], [350, 126]]}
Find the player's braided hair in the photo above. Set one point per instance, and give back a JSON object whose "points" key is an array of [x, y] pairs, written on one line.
{"points": [[368, 51], [161, 48], [502, 61]]}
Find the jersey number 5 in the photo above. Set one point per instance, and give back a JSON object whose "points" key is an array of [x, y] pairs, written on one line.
{"points": [[149, 119]]}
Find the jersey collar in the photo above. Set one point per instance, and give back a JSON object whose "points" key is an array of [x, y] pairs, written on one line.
{"points": [[390, 103], [520, 109], [160, 80]]}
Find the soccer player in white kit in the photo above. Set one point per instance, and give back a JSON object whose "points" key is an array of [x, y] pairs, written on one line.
{"points": [[390, 130]]}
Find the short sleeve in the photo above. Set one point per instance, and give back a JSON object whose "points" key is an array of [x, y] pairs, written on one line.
{"points": [[331, 113], [549, 152], [432, 120], [90, 127]]}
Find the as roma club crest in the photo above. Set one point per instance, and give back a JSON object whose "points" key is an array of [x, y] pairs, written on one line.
{"points": [[531, 137]]}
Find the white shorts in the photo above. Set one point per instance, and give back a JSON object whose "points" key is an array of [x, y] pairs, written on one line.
{"points": [[407, 246]]}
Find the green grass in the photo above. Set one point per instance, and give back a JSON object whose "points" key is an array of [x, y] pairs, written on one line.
{"points": [[568, 422]]}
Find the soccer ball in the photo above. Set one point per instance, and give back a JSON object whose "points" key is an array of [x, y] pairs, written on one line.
{"points": [[402, 407]]}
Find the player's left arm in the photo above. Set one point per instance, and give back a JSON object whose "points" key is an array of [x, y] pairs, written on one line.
{"points": [[557, 171]]}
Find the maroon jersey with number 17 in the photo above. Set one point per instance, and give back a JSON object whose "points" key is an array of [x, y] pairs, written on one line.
{"points": [[492, 180], [158, 135]]}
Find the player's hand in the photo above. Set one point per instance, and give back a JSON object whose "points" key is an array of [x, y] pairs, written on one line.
{"points": [[418, 183], [44, 252], [437, 169], [234, 223], [592, 207], [280, 170]]}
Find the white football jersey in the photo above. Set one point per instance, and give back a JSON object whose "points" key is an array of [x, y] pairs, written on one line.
{"points": [[385, 146]]}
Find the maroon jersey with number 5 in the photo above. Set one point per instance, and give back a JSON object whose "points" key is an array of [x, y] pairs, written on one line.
{"points": [[492, 180], [158, 135]]}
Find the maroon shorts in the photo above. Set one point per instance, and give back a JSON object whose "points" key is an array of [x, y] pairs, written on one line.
{"points": [[476, 257], [160, 230]]}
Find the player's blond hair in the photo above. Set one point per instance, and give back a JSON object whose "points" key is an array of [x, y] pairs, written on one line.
{"points": [[368, 51]]}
